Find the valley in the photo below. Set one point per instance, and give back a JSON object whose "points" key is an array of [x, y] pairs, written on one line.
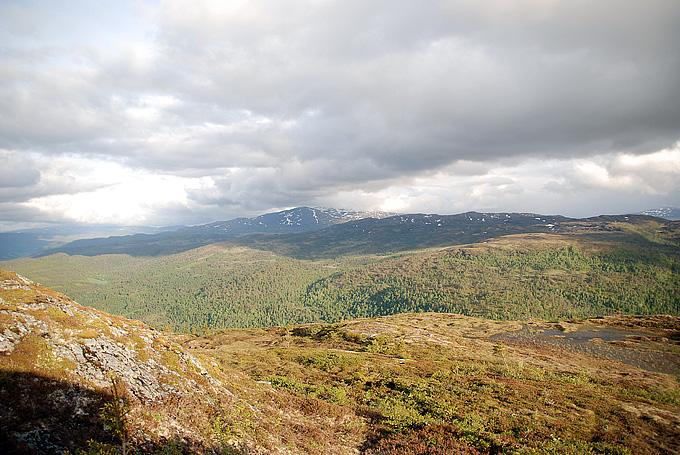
{"points": [[578, 269]]}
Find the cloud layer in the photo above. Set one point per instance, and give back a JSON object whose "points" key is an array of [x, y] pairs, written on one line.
{"points": [[191, 111]]}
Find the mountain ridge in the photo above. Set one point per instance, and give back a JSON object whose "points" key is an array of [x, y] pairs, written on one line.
{"points": [[297, 220], [172, 239], [305, 231]]}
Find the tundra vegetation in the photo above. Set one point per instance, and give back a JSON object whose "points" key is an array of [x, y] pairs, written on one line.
{"points": [[432, 383]]}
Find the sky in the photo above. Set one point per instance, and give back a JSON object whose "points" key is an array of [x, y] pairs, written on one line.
{"points": [[189, 111]]}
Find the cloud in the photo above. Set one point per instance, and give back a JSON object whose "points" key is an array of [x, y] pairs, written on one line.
{"points": [[122, 196], [17, 171], [654, 173], [452, 105]]}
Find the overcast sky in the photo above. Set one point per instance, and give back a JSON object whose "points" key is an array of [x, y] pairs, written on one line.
{"points": [[190, 111]]}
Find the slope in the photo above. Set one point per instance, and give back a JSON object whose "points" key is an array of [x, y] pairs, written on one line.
{"points": [[62, 365], [511, 277]]}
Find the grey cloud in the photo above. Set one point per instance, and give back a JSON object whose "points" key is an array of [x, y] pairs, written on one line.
{"points": [[284, 103], [17, 171], [446, 81]]}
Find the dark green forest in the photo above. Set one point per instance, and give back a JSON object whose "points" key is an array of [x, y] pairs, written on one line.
{"points": [[512, 277], [550, 283]]}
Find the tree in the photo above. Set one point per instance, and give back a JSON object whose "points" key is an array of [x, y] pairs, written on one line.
{"points": [[115, 413], [499, 349]]}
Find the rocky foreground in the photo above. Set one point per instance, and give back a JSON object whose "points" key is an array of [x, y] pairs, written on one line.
{"points": [[59, 362]]}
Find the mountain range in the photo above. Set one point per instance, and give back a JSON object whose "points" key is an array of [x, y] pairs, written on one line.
{"points": [[168, 240], [144, 240]]}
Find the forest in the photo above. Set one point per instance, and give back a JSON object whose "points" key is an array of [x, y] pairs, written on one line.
{"points": [[589, 270]]}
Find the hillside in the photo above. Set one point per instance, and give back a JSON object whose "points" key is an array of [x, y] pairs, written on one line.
{"points": [[582, 268], [446, 384], [28, 242], [61, 363], [412, 383], [511, 277]]}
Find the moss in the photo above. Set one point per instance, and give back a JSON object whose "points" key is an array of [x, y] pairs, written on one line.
{"points": [[56, 314], [6, 319], [16, 296], [88, 333], [170, 360], [140, 347], [34, 354]]}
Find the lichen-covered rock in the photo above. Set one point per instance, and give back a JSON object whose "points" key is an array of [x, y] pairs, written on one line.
{"points": [[75, 354]]}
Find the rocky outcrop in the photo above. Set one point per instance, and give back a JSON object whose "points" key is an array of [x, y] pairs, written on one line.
{"points": [[60, 364], [76, 354], [94, 346]]}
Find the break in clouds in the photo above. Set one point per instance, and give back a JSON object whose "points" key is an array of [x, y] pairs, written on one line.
{"points": [[193, 111]]}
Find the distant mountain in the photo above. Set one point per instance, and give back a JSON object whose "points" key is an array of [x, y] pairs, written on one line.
{"points": [[21, 244], [415, 231], [669, 213], [300, 219], [27, 242], [306, 232], [297, 220]]}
